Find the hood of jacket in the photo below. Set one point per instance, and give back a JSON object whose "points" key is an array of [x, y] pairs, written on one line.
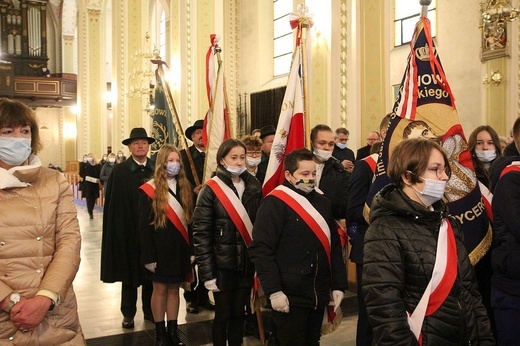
{"points": [[391, 200]]}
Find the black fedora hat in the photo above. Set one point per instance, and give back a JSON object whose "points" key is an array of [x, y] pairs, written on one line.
{"points": [[197, 125], [138, 133], [267, 130]]}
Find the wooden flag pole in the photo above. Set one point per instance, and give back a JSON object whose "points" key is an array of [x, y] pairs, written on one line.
{"points": [[226, 100], [304, 24], [178, 126]]}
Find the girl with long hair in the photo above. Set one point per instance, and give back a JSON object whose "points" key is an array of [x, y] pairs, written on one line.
{"points": [[166, 207], [484, 146]]}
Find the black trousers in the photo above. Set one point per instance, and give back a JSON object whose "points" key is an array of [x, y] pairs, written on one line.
{"points": [[90, 204], [364, 333], [301, 326], [129, 299], [228, 323]]}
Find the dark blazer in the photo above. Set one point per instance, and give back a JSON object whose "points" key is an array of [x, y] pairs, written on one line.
{"points": [[334, 185], [343, 154], [219, 248], [289, 257], [363, 152], [120, 250]]}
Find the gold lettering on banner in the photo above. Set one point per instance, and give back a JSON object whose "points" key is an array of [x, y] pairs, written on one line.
{"points": [[287, 105], [380, 168], [472, 213]]}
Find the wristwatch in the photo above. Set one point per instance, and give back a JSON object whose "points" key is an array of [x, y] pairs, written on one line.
{"points": [[13, 299]]}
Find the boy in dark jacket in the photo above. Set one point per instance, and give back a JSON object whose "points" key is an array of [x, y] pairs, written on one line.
{"points": [[297, 253]]}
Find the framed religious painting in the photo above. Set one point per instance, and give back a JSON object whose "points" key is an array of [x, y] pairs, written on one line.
{"points": [[494, 41]]}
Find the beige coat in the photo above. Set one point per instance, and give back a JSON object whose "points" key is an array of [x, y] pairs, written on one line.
{"points": [[40, 249]]}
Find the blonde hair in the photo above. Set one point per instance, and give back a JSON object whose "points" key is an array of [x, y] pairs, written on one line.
{"points": [[160, 202]]}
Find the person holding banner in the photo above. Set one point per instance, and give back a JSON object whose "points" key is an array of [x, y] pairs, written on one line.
{"points": [[222, 233], [418, 282], [297, 253], [165, 210]]}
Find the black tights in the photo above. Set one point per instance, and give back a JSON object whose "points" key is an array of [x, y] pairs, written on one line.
{"points": [[228, 323]]}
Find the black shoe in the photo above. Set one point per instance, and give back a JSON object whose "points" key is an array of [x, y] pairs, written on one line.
{"points": [[192, 308], [161, 336], [207, 305], [128, 322], [149, 317], [173, 333], [91, 216]]}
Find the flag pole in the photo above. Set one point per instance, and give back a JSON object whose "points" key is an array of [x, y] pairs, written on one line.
{"points": [[218, 50], [304, 25], [169, 99], [425, 4]]}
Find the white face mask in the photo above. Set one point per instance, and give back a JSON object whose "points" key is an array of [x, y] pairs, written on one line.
{"points": [[173, 168], [235, 170], [111, 159], [322, 155], [486, 155], [432, 192], [14, 151], [253, 161], [341, 145]]}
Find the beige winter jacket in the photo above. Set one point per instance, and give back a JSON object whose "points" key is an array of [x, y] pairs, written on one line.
{"points": [[39, 249]]}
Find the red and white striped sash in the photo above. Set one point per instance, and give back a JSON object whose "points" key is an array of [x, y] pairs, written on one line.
{"points": [[443, 278], [174, 212], [234, 207], [371, 161], [308, 213]]}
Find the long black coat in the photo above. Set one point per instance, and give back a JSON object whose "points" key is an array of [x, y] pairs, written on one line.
{"points": [[289, 257], [400, 249], [90, 190], [219, 248], [165, 245], [120, 251]]}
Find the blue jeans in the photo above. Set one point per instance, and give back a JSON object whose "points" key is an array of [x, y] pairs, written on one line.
{"points": [[507, 310]]}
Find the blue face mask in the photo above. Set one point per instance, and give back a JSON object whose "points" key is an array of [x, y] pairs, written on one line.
{"points": [[173, 168], [14, 151], [341, 145]]}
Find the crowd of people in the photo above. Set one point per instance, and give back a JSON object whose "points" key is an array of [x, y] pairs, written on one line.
{"points": [[165, 228]]}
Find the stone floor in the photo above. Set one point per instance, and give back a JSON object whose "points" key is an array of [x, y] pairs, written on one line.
{"points": [[98, 303]]}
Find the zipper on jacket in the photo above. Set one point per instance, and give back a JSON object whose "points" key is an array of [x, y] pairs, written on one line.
{"points": [[314, 286]]}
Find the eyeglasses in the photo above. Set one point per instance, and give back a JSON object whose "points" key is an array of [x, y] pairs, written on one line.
{"points": [[254, 153], [372, 139], [438, 171]]}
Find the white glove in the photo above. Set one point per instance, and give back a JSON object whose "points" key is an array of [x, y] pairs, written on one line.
{"points": [[192, 259], [337, 296], [211, 285], [151, 266], [279, 302]]}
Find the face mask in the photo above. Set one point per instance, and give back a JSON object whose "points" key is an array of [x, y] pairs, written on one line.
{"points": [[305, 186], [341, 145], [486, 155], [89, 159], [253, 161], [119, 155], [104, 158], [322, 155], [85, 160], [432, 192], [173, 168], [111, 159], [14, 151], [235, 170]]}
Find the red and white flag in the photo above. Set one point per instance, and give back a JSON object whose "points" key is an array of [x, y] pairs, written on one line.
{"points": [[216, 123], [290, 131]]}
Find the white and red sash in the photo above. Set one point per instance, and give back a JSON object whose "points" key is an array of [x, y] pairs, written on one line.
{"points": [[233, 207], [174, 212], [308, 213], [443, 278], [371, 161]]}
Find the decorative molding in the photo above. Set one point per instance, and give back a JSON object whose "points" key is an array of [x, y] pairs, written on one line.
{"points": [[122, 76], [93, 12], [83, 86], [343, 62], [232, 50]]}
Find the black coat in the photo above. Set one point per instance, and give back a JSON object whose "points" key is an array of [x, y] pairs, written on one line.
{"points": [[165, 246], [400, 248], [334, 185], [198, 161], [343, 154], [120, 251], [359, 186], [363, 152], [289, 257], [219, 248], [89, 189], [505, 257]]}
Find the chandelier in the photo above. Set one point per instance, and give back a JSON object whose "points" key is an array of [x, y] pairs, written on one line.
{"points": [[498, 13]]}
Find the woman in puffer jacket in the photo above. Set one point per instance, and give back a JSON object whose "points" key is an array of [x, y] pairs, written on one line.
{"points": [[39, 240], [220, 247], [411, 239]]}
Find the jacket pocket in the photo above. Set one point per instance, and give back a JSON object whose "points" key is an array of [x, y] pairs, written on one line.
{"points": [[296, 278]]}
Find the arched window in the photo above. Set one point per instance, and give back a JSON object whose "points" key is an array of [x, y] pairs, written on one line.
{"points": [[283, 38], [406, 15]]}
